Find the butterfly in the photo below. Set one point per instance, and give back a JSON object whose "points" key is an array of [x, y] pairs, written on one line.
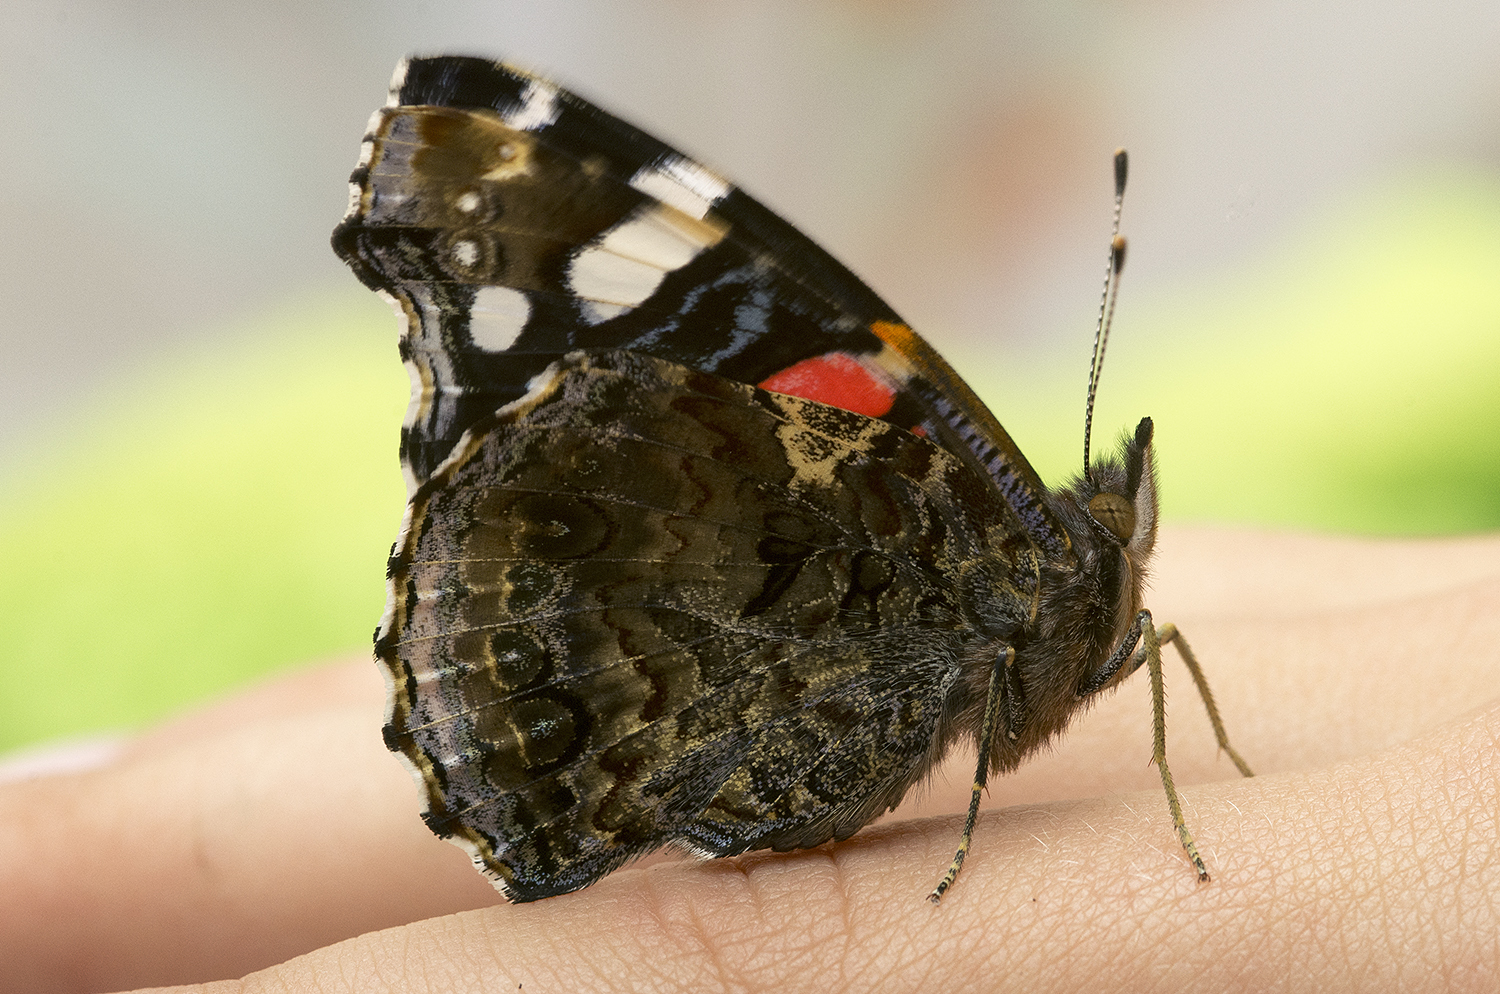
{"points": [[704, 547]]}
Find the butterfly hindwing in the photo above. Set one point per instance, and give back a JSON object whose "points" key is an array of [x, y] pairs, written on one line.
{"points": [[645, 604]]}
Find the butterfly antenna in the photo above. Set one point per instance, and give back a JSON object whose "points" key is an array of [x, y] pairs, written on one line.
{"points": [[1106, 302]]}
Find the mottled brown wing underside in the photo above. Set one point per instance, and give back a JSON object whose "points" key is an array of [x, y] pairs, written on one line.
{"points": [[647, 605]]}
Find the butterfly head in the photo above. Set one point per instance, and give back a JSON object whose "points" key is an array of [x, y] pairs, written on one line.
{"points": [[1110, 514], [1122, 504]]}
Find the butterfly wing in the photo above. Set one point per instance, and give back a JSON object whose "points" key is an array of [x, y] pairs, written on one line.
{"points": [[647, 605], [511, 222]]}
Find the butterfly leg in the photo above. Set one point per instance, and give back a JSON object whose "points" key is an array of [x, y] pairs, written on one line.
{"points": [[1169, 633], [1152, 639], [1165, 634], [993, 700], [1151, 648]]}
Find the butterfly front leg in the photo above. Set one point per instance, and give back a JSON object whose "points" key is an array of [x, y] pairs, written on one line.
{"points": [[1169, 633], [1151, 640]]}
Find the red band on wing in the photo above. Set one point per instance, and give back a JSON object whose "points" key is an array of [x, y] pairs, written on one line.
{"points": [[835, 378]]}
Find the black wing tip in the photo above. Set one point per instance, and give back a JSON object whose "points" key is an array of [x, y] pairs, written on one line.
{"points": [[460, 81]]}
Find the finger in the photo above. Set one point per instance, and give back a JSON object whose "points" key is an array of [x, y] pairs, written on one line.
{"points": [[213, 853], [353, 682], [1363, 870]]}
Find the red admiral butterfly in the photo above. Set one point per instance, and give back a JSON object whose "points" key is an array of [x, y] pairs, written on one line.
{"points": [[705, 546]]}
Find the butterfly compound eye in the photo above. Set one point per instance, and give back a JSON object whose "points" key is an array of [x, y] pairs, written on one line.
{"points": [[1115, 513]]}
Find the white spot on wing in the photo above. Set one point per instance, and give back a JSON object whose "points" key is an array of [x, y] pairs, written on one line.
{"points": [[398, 80], [466, 252], [620, 270], [467, 202], [654, 239], [497, 317], [537, 109], [599, 275], [356, 195], [595, 312], [374, 128], [683, 184], [366, 157]]}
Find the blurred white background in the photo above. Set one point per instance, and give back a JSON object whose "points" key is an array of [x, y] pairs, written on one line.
{"points": [[173, 167]]}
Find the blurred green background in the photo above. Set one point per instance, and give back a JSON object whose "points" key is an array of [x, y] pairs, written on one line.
{"points": [[198, 475]]}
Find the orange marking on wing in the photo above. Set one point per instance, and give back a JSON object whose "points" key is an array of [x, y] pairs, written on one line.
{"points": [[897, 336]]}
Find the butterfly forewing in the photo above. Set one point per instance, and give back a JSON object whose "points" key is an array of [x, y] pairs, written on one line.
{"points": [[513, 221]]}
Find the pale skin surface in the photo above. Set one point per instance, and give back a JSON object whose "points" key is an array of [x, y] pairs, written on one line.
{"points": [[1361, 680]]}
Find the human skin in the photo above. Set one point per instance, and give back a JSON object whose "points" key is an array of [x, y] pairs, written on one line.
{"points": [[1361, 679]]}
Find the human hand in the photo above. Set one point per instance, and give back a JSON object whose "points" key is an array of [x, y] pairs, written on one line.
{"points": [[1365, 853]]}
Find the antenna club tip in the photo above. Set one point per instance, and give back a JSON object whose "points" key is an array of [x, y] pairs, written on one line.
{"points": [[1122, 169], [1117, 253]]}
